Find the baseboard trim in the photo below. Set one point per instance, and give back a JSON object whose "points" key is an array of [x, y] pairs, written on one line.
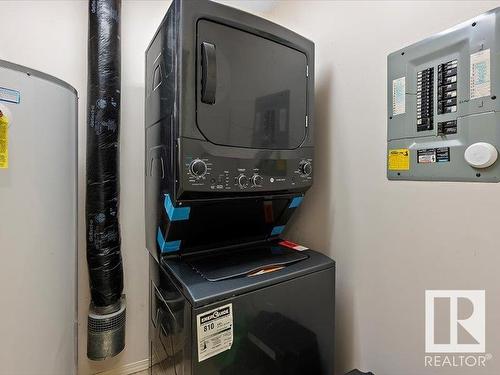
{"points": [[131, 368]]}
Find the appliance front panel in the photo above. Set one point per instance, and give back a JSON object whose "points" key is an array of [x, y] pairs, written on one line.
{"points": [[223, 223], [283, 329], [252, 92]]}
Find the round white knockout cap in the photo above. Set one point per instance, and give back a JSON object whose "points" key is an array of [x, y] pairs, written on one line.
{"points": [[481, 155]]}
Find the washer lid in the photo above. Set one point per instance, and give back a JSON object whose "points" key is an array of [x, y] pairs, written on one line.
{"points": [[243, 263], [201, 292]]}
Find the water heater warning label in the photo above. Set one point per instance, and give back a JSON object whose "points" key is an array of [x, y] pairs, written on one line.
{"points": [[4, 142], [215, 331]]}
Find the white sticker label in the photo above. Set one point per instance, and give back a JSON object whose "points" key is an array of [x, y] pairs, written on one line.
{"points": [[11, 96], [398, 96], [427, 159], [480, 84], [215, 331]]}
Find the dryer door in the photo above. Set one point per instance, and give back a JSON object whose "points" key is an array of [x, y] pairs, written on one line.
{"points": [[252, 92]]}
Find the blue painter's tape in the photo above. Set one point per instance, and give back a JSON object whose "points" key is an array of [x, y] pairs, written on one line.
{"points": [[176, 213], [296, 202], [160, 239], [167, 246], [277, 230], [171, 246]]}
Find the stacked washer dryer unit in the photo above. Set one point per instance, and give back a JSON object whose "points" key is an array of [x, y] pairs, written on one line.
{"points": [[229, 156]]}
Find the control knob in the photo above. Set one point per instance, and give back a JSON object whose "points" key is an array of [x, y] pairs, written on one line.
{"points": [[305, 168], [198, 168], [243, 181], [257, 180]]}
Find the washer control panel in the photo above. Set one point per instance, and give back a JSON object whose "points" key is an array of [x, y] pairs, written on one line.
{"points": [[443, 113]]}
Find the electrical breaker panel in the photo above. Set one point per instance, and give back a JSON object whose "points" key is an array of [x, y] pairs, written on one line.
{"points": [[443, 111]]}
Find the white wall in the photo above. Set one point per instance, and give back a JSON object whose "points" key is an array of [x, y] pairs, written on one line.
{"points": [[51, 36], [391, 240]]}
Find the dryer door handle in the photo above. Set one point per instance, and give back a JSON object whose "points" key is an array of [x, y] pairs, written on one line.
{"points": [[208, 73]]}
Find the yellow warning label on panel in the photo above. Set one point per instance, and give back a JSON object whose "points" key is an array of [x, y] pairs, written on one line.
{"points": [[4, 141], [399, 159]]}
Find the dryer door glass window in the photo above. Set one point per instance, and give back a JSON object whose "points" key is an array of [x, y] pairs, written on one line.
{"points": [[252, 92]]}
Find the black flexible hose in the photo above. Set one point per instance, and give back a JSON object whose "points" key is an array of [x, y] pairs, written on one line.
{"points": [[103, 128]]}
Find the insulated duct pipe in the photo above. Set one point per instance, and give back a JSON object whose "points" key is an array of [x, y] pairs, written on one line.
{"points": [[106, 320]]}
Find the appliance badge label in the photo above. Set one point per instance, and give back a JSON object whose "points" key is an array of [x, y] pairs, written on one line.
{"points": [[215, 331]]}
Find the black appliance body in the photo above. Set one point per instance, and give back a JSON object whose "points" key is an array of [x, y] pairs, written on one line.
{"points": [[229, 157], [229, 100], [282, 322]]}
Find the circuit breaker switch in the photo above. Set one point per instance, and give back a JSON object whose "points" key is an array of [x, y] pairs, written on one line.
{"points": [[481, 155]]}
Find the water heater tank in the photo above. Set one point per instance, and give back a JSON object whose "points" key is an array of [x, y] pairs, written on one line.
{"points": [[38, 223]]}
